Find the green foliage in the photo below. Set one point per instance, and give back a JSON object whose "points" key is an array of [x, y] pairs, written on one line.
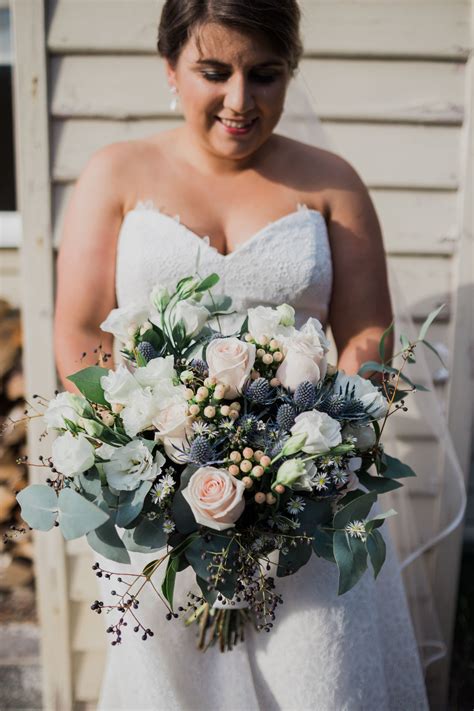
{"points": [[200, 554], [295, 557], [149, 534], [130, 504], [39, 506], [208, 283], [323, 544], [384, 337], [429, 320], [376, 548], [355, 510], [167, 586], [88, 383], [379, 484], [106, 541], [393, 468], [351, 558]]}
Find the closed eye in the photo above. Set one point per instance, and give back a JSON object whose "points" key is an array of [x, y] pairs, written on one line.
{"points": [[222, 77]]}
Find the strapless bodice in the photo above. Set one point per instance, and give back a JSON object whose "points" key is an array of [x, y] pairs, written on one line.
{"points": [[287, 261]]}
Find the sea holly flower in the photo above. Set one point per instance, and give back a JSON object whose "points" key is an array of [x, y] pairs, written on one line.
{"points": [[362, 389]]}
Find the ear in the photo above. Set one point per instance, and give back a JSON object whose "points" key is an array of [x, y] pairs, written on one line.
{"points": [[170, 73]]}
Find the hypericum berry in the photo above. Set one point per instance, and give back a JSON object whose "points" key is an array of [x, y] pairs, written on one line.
{"points": [[245, 466], [305, 395], [260, 497], [147, 351]]}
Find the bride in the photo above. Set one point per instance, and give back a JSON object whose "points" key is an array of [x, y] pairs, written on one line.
{"points": [[281, 222]]}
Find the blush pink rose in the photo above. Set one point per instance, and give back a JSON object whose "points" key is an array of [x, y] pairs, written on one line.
{"points": [[215, 497], [305, 356], [230, 361]]}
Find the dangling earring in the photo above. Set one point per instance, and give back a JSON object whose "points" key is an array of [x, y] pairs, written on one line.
{"points": [[174, 98]]}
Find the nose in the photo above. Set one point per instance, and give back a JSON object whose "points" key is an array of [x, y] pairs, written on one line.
{"points": [[239, 97]]}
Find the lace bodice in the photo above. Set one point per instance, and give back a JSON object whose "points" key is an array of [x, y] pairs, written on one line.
{"points": [[288, 260]]}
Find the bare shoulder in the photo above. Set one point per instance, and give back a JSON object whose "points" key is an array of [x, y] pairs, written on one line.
{"points": [[325, 176]]}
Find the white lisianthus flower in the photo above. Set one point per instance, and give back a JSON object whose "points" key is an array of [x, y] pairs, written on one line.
{"points": [[138, 413], [265, 321], [132, 464], [323, 431], [105, 451], [305, 356], [289, 473], [121, 322], [160, 297], [72, 455], [231, 360], [368, 394], [64, 405], [307, 480], [155, 370], [119, 385], [365, 436]]}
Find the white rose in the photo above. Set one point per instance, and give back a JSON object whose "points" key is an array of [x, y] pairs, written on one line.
{"points": [[132, 464], [363, 390], [193, 315], [139, 411], [155, 370], [119, 385], [63, 405], [305, 356], [216, 498], [269, 322], [230, 361], [121, 321], [365, 436], [323, 431], [72, 455]]}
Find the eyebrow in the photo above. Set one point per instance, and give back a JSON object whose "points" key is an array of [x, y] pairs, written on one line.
{"points": [[223, 65]]}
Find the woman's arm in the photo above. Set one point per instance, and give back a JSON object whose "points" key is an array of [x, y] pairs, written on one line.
{"points": [[360, 304], [85, 269]]}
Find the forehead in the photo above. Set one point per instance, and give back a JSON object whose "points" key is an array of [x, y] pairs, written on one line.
{"points": [[228, 45]]}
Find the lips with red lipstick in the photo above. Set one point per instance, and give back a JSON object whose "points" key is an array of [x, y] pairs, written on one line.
{"points": [[237, 126]]}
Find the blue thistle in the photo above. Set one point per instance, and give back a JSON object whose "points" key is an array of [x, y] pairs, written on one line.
{"points": [[286, 417], [201, 451], [260, 391], [147, 351], [305, 395], [248, 423]]}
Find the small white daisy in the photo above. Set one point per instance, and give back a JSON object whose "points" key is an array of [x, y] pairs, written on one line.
{"points": [[340, 476], [226, 424], [356, 529], [295, 505], [261, 425], [320, 481], [168, 525], [200, 427]]}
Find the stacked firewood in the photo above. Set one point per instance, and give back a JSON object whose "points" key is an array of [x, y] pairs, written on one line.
{"points": [[16, 548]]}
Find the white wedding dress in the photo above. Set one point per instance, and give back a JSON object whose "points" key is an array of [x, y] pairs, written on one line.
{"points": [[354, 652]]}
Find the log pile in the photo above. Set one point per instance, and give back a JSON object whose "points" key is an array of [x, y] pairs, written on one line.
{"points": [[16, 549]]}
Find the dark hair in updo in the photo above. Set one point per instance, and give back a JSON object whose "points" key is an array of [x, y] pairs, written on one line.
{"points": [[277, 20]]}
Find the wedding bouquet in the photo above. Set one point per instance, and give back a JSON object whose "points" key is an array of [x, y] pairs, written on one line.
{"points": [[221, 452]]}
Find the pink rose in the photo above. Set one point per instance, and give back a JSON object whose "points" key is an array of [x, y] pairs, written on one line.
{"points": [[215, 497], [230, 361]]}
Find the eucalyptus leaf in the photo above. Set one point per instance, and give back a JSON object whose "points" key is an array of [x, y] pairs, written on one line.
{"points": [[90, 483], [208, 283], [149, 534], [209, 595], [351, 558], [379, 484], [167, 587], [39, 506], [355, 510], [385, 334], [323, 544], [377, 550], [435, 351], [106, 541], [200, 555], [88, 383], [294, 558], [130, 504], [429, 320], [393, 468], [378, 520], [77, 515]]}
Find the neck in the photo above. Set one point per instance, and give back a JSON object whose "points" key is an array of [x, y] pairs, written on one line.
{"points": [[204, 161]]}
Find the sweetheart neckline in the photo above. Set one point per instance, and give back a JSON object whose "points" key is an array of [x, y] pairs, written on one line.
{"points": [[148, 206]]}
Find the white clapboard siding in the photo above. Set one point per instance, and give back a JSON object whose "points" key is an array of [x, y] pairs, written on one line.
{"points": [[388, 79], [342, 89], [418, 156], [393, 28]]}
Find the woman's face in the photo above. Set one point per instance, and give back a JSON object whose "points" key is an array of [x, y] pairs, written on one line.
{"points": [[232, 89]]}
